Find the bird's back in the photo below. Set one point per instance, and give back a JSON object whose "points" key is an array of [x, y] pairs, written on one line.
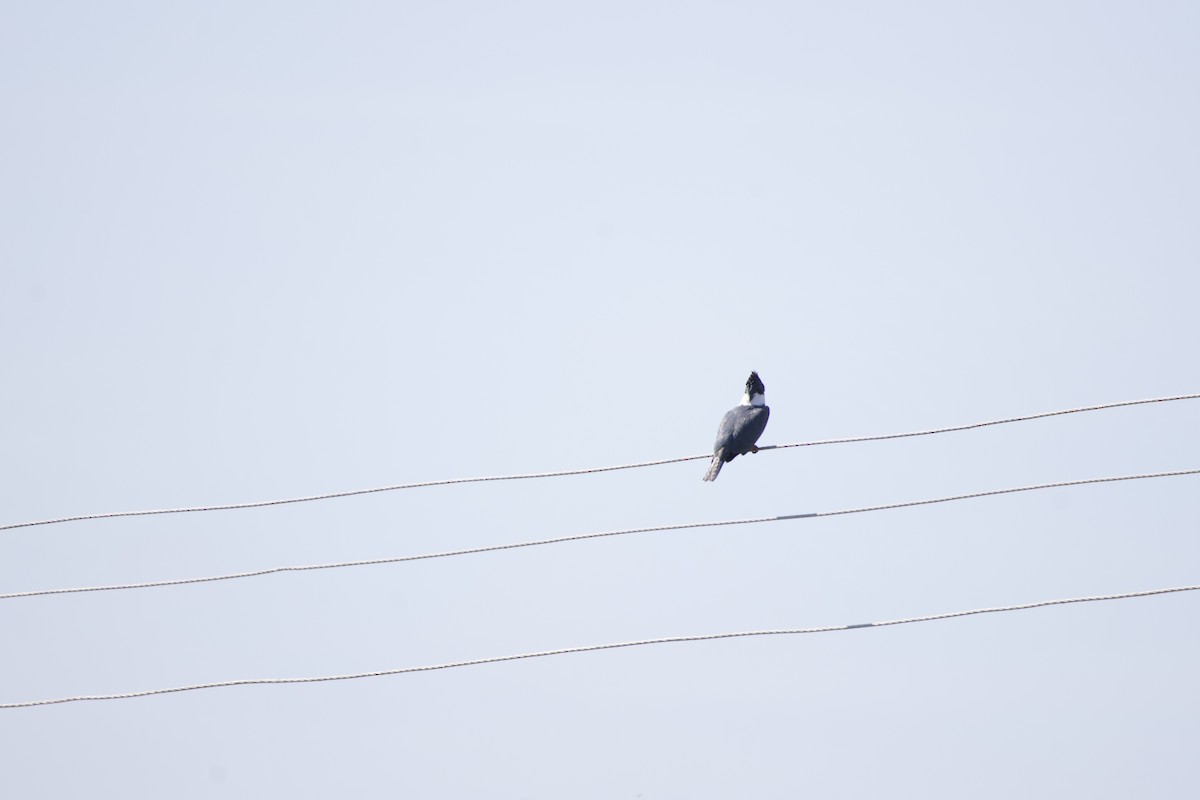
{"points": [[740, 429]]}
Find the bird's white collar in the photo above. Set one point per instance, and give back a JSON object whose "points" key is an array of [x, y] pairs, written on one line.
{"points": [[758, 400]]}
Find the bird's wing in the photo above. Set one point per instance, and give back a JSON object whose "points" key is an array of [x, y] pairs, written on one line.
{"points": [[729, 426]]}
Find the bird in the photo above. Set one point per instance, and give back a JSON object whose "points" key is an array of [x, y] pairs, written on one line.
{"points": [[741, 427]]}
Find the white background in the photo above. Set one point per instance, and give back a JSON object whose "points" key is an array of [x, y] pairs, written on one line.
{"points": [[257, 250]]}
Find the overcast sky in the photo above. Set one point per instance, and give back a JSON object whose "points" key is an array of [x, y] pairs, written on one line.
{"points": [[267, 249]]}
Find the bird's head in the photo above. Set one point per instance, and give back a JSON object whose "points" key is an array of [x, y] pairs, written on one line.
{"points": [[756, 392], [754, 385]]}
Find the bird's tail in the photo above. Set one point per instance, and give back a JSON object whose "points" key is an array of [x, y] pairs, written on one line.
{"points": [[714, 469]]}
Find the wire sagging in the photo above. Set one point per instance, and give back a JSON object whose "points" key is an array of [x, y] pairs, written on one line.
{"points": [[583, 536], [587, 471], [598, 647]]}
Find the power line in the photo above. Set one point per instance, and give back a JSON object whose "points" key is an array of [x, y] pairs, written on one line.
{"points": [[973, 425], [587, 471], [598, 647], [584, 536]]}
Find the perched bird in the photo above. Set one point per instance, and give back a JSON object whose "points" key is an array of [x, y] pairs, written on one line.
{"points": [[741, 427]]}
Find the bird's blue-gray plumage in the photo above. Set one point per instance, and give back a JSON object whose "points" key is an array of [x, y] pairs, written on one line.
{"points": [[740, 428]]}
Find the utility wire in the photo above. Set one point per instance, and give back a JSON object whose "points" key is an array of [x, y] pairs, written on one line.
{"points": [[583, 536], [973, 425], [588, 471], [597, 647]]}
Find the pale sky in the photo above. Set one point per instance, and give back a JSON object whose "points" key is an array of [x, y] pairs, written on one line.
{"points": [[264, 250]]}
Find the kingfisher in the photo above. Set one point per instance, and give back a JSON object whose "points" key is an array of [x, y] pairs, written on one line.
{"points": [[741, 427]]}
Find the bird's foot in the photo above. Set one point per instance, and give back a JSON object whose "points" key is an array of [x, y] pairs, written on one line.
{"points": [[753, 448]]}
